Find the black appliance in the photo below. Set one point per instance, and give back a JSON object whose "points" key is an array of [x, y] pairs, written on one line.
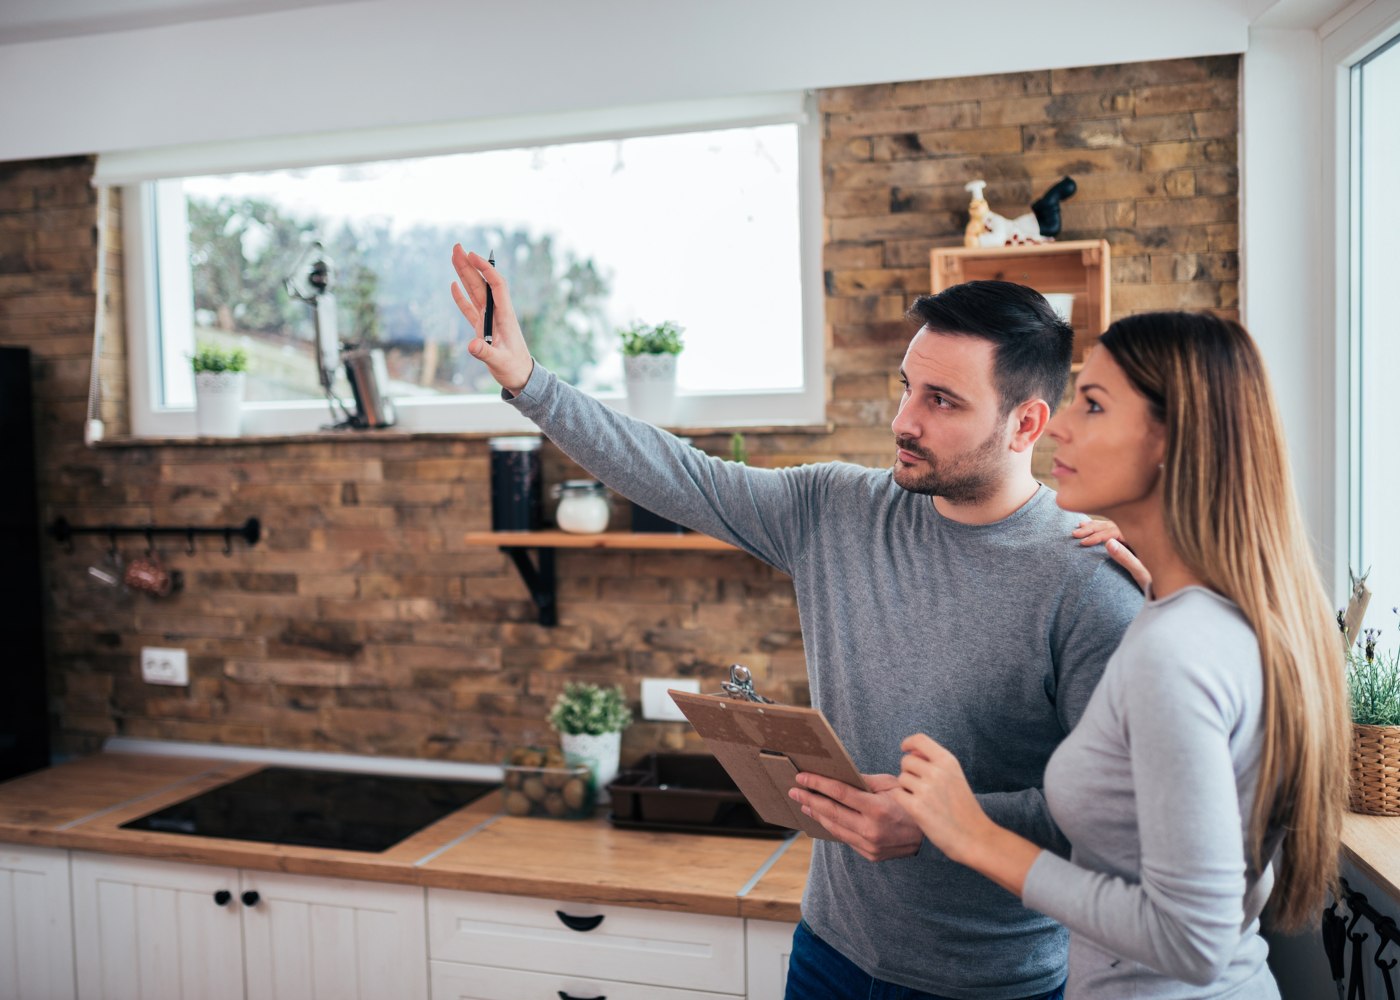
{"points": [[24, 715], [342, 810]]}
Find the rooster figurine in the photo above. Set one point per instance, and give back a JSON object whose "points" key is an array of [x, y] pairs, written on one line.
{"points": [[1041, 224]]}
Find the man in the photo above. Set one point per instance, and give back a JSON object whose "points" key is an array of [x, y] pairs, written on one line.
{"points": [[942, 596]]}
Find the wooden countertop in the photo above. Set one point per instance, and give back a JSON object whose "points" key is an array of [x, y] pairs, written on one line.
{"points": [[80, 805], [1372, 843]]}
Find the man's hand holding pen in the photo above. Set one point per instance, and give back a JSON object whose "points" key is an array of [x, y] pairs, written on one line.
{"points": [[506, 356]]}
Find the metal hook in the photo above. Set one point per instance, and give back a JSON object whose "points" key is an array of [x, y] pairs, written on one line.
{"points": [[740, 685], [189, 541], [228, 541], [112, 545], [150, 543], [1356, 981], [1388, 932]]}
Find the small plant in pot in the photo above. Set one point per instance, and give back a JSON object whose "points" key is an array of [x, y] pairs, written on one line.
{"points": [[589, 720], [649, 365], [219, 376], [1373, 681]]}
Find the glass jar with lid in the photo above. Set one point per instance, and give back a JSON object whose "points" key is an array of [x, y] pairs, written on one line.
{"points": [[583, 506]]}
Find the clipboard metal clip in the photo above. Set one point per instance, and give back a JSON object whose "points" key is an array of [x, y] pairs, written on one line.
{"points": [[740, 686]]}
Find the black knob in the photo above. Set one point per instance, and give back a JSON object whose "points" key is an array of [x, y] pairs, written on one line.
{"points": [[251, 897], [578, 923], [222, 897]]}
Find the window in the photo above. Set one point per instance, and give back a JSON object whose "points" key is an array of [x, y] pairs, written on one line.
{"points": [[708, 217], [1375, 331]]}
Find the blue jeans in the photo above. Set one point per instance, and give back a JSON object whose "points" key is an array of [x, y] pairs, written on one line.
{"points": [[817, 971]]}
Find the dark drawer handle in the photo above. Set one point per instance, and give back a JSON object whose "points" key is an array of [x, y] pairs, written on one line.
{"points": [[570, 996], [579, 924], [222, 897], [251, 897]]}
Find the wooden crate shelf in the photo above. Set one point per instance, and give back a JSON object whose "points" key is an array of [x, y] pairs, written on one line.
{"points": [[1078, 267]]}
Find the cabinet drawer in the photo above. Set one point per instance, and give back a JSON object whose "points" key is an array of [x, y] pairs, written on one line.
{"points": [[454, 981], [624, 943]]}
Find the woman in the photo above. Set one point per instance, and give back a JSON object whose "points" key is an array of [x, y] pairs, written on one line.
{"points": [[1219, 723]]}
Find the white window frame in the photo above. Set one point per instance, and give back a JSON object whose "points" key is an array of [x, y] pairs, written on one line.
{"points": [[138, 174], [1345, 43]]}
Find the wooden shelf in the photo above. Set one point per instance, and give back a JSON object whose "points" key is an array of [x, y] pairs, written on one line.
{"points": [[1079, 267], [539, 575], [689, 541]]}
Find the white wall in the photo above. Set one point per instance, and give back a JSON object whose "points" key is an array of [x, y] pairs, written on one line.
{"points": [[1282, 272], [387, 62], [1293, 258]]}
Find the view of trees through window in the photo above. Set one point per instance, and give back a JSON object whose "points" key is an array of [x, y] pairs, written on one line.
{"points": [[700, 229], [242, 249]]}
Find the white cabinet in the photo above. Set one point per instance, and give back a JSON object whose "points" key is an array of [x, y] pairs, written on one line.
{"points": [[158, 930], [769, 947], [155, 929], [569, 945], [329, 938], [36, 924], [455, 981]]}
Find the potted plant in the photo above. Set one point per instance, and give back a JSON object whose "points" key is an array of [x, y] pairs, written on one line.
{"points": [[649, 366], [1373, 681], [589, 720], [219, 376]]}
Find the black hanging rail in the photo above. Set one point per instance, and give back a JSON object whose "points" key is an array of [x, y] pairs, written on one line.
{"points": [[250, 531], [1339, 929]]}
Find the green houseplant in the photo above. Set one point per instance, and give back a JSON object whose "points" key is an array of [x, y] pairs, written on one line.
{"points": [[219, 377], [649, 353], [1373, 683], [589, 720]]}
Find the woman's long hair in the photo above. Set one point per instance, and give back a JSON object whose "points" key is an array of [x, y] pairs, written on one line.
{"points": [[1232, 516]]}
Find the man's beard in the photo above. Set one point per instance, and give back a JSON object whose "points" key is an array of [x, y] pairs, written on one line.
{"points": [[971, 477]]}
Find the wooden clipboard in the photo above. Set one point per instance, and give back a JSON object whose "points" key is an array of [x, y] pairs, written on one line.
{"points": [[763, 746]]}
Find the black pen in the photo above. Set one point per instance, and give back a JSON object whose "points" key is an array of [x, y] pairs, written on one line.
{"points": [[490, 305]]}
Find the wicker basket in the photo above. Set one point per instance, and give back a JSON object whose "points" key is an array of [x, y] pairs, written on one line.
{"points": [[1375, 770]]}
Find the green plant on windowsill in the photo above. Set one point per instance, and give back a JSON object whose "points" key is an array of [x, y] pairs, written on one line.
{"points": [[213, 360], [738, 449], [1373, 682], [587, 709], [645, 338]]}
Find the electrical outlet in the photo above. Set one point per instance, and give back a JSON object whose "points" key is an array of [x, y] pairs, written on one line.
{"points": [[657, 704], [164, 666]]}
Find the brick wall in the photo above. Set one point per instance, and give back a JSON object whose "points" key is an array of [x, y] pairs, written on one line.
{"points": [[363, 622]]}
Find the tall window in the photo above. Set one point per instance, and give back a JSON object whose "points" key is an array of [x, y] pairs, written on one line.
{"points": [[1375, 327], [703, 227]]}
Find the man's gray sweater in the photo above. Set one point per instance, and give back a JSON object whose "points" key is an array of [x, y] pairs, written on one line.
{"points": [[990, 638]]}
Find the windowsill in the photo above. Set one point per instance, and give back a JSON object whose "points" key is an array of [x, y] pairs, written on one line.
{"points": [[391, 435]]}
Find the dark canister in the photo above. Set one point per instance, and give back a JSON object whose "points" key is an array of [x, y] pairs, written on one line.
{"points": [[646, 522], [515, 484]]}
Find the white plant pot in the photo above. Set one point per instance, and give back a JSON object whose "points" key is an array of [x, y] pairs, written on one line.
{"points": [[218, 403], [601, 753], [651, 386]]}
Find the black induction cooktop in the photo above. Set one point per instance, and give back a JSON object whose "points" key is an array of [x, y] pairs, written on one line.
{"points": [[344, 810]]}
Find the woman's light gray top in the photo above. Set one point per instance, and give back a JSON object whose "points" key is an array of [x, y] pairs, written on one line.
{"points": [[1154, 790]]}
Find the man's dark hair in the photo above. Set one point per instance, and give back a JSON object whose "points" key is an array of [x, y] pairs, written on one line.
{"points": [[1033, 346]]}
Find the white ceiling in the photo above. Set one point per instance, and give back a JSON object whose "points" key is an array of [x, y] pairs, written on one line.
{"points": [[38, 20]]}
